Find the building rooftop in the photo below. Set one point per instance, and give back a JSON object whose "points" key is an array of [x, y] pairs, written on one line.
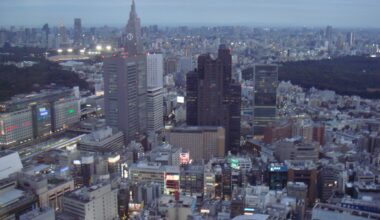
{"points": [[195, 129]]}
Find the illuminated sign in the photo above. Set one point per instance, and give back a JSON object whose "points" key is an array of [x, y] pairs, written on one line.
{"points": [[64, 169], [174, 177], [77, 162], [11, 128], [2, 128], [43, 112], [114, 159], [71, 111], [27, 124], [184, 158], [278, 167], [180, 99], [235, 164], [249, 209]]}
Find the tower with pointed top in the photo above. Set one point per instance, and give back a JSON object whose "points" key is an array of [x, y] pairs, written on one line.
{"points": [[125, 84], [132, 35]]}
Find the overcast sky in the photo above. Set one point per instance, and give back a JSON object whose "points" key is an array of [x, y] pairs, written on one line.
{"points": [[342, 13]]}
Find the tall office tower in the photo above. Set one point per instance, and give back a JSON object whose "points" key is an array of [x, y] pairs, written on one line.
{"points": [[328, 33], [264, 109], [213, 99], [62, 36], [155, 70], [350, 38], [132, 34], [77, 32], [45, 36], [125, 100], [155, 111]]}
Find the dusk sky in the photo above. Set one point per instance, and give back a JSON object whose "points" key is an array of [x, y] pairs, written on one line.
{"points": [[339, 13]]}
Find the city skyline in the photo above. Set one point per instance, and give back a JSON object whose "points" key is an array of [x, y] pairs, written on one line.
{"points": [[339, 13]]}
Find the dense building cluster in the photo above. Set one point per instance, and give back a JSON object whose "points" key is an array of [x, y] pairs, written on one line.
{"points": [[188, 124]]}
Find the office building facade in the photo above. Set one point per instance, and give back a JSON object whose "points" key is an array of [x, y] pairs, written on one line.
{"points": [[265, 106], [95, 202], [124, 104], [155, 70], [155, 111], [212, 98], [202, 142]]}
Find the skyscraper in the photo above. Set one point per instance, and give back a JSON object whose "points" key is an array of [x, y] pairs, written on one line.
{"points": [[62, 36], [154, 107], [122, 101], [213, 99], [125, 85], [328, 33], [77, 32], [155, 70], [132, 34], [264, 109]]}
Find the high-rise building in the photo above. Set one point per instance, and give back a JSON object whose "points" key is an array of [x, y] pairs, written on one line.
{"points": [[45, 37], [213, 99], [328, 33], [125, 99], [350, 38], [77, 32], [154, 108], [264, 109], [132, 34], [62, 36], [155, 70]]}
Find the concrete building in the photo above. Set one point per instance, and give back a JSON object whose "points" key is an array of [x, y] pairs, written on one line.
{"points": [[39, 214], [265, 105], [16, 127], [155, 70], [192, 180], [91, 203], [102, 141], [26, 117], [202, 142], [303, 128], [78, 38], [13, 201], [178, 209], [155, 113], [167, 176], [296, 149], [125, 95], [213, 98], [322, 211], [307, 173], [10, 163], [65, 112], [277, 131], [49, 190]]}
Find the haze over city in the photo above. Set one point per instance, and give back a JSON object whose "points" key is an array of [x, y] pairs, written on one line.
{"points": [[189, 110], [339, 13]]}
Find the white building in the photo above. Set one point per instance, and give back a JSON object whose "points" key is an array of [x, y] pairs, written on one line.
{"points": [[98, 202], [155, 70], [155, 111], [10, 163]]}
